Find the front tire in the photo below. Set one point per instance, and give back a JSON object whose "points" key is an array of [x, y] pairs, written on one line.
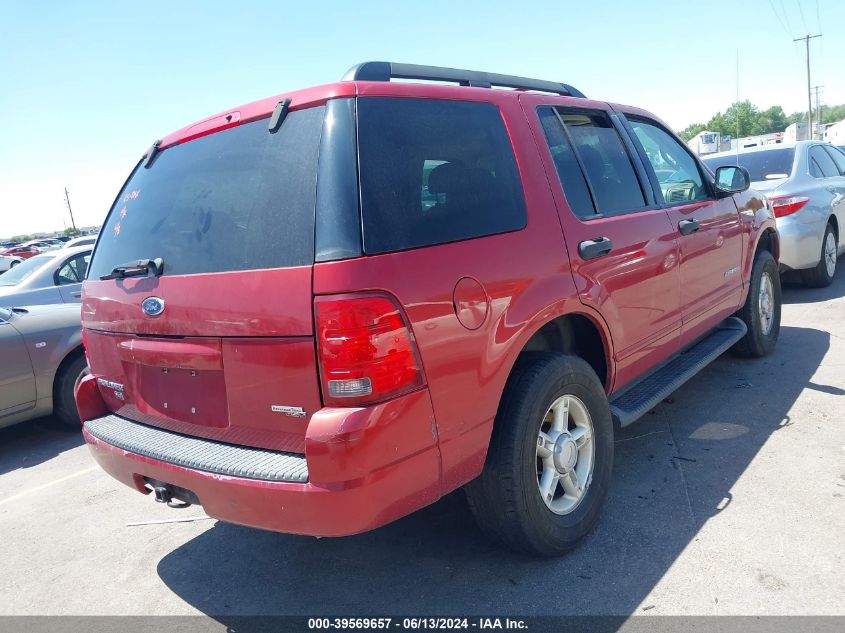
{"points": [[822, 275], [761, 312], [550, 458]]}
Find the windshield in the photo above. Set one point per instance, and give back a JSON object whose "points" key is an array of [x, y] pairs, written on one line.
{"points": [[238, 199], [767, 164], [18, 273]]}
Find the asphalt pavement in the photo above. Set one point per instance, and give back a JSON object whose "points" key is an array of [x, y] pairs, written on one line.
{"points": [[728, 499]]}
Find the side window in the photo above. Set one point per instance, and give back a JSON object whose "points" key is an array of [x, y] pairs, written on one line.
{"points": [[568, 170], [838, 157], [73, 271], [677, 171], [608, 183], [434, 171], [821, 164]]}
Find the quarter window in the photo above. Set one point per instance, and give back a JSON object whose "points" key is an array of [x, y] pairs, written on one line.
{"points": [[435, 171], [676, 170], [73, 271], [838, 158], [821, 164]]}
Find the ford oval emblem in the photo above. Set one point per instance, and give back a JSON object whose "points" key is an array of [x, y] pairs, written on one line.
{"points": [[153, 306]]}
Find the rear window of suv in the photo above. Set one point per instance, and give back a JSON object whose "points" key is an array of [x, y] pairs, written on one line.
{"points": [[238, 199], [434, 171]]}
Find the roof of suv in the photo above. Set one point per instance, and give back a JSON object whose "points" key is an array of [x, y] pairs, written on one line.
{"points": [[374, 78]]}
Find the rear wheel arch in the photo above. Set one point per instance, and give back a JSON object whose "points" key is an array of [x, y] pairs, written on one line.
{"points": [[63, 409], [835, 224], [575, 334], [768, 241]]}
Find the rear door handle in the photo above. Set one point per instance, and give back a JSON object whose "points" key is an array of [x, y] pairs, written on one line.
{"points": [[76, 294], [597, 247], [688, 226]]}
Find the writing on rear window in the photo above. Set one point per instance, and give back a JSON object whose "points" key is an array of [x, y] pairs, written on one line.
{"points": [[239, 199]]}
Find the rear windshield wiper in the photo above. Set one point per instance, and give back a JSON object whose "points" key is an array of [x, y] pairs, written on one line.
{"points": [[136, 269]]}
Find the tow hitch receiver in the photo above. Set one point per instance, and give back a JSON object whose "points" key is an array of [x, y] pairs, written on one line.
{"points": [[163, 494], [173, 496]]}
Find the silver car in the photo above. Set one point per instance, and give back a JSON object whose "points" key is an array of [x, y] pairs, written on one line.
{"points": [[42, 358], [53, 277], [805, 182]]}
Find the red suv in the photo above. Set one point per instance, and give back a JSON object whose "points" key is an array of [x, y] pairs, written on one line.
{"points": [[319, 312]]}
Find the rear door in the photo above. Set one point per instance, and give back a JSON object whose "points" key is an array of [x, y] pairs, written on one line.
{"points": [[68, 278], [836, 187], [17, 382], [220, 344], [622, 247], [708, 229]]}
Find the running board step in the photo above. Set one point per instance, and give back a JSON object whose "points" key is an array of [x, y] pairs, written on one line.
{"points": [[638, 399]]}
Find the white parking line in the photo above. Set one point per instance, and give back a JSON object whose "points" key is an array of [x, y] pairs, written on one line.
{"points": [[49, 484]]}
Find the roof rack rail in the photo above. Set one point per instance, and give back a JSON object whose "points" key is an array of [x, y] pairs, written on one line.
{"points": [[385, 71]]}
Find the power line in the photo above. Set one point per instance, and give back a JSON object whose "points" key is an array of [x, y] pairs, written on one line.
{"points": [[777, 15], [785, 17], [801, 11]]}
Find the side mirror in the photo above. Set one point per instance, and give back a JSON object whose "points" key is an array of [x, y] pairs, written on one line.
{"points": [[731, 179]]}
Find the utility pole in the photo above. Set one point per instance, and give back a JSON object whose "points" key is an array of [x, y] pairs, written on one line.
{"points": [[819, 110], [67, 202], [807, 39]]}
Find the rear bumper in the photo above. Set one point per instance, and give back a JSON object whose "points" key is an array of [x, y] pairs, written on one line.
{"points": [[365, 468], [800, 240]]}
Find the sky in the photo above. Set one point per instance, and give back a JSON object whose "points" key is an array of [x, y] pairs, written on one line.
{"points": [[87, 86]]}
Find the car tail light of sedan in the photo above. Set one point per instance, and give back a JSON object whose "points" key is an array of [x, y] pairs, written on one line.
{"points": [[787, 205]]}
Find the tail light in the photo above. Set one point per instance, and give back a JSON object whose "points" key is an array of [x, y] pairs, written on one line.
{"points": [[366, 350], [787, 205]]}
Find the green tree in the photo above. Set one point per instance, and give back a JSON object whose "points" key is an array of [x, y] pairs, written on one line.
{"points": [[71, 232], [692, 130], [773, 120], [833, 114]]}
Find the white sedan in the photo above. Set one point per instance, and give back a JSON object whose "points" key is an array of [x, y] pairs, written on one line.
{"points": [[7, 262]]}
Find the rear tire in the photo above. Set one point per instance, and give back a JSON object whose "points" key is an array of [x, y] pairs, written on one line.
{"points": [[761, 312], [64, 402], [822, 275], [550, 458]]}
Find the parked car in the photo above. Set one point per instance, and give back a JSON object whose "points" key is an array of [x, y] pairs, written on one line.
{"points": [[805, 183], [7, 262], [85, 240], [42, 245], [43, 358], [478, 286], [52, 277], [21, 252]]}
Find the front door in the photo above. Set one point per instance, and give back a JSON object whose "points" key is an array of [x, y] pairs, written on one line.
{"points": [[708, 229]]}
